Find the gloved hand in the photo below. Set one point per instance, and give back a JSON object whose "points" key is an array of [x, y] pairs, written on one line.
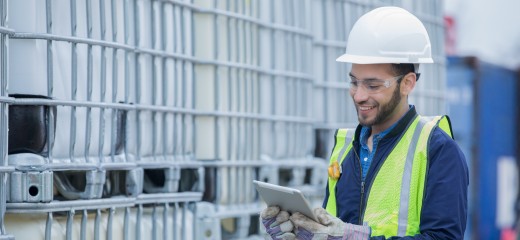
{"points": [[277, 223], [328, 227]]}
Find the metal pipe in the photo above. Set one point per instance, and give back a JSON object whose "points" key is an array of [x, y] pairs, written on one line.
{"points": [[184, 82], [229, 137], [183, 224], [74, 80], [164, 84], [97, 221], [153, 97], [83, 230], [50, 81], [90, 204], [115, 63], [48, 226], [154, 222], [4, 118], [138, 80], [70, 221], [138, 222], [110, 221], [126, 225], [6, 30], [193, 86], [127, 25], [216, 81], [166, 208], [174, 215], [103, 83], [88, 122]]}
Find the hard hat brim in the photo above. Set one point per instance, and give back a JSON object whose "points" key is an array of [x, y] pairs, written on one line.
{"points": [[349, 58]]}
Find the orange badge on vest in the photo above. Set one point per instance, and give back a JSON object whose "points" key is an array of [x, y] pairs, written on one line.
{"points": [[334, 170]]}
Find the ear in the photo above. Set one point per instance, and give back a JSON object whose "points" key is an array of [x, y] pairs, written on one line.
{"points": [[408, 83]]}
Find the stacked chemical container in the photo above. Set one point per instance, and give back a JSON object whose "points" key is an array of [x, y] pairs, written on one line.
{"points": [[254, 86], [149, 119], [101, 120]]}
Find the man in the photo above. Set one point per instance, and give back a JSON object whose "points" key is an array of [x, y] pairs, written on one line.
{"points": [[398, 175]]}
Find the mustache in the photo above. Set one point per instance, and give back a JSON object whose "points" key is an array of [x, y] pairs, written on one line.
{"points": [[366, 103]]}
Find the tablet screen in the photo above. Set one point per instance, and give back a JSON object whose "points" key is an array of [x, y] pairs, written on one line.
{"points": [[288, 199]]}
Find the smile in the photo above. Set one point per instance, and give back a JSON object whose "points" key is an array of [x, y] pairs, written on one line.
{"points": [[365, 108]]}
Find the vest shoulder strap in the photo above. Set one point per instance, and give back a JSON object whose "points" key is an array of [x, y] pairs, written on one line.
{"points": [[343, 143], [443, 122], [343, 138]]}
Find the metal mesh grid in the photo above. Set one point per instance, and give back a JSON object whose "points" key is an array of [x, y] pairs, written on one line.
{"points": [[4, 54], [103, 76], [265, 84]]}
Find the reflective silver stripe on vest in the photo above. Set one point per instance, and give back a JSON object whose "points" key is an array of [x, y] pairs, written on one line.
{"points": [[348, 138], [407, 175]]}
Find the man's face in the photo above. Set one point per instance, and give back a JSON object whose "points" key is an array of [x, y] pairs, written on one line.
{"points": [[377, 108]]}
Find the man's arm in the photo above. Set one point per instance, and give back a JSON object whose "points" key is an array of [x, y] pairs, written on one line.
{"points": [[444, 209]]}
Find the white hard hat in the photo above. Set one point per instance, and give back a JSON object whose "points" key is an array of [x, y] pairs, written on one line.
{"points": [[388, 35]]}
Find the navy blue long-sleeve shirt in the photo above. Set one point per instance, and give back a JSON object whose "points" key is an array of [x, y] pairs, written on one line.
{"points": [[444, 208]]}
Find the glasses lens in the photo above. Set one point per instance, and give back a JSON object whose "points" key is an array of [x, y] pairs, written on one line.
{"points": [[372, 85]]}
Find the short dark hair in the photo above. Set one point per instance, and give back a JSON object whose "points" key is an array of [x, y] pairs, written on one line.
{"points": [[403, 69]]}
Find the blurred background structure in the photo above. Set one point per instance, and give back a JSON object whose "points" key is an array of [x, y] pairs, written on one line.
{"points": [[483, 74], [149, 119]]}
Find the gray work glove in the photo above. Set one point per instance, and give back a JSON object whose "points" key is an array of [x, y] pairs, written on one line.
{"points": [[277, 223], [328, 227]]}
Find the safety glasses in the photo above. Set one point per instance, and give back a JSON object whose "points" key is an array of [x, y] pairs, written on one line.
{"points": [[372, 85]]}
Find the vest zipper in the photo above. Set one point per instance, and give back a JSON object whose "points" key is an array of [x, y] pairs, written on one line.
{"points": [[363, 203], [361, 206]]}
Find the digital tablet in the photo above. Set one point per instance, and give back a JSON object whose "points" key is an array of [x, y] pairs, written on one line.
{"points": [[288, 199]]}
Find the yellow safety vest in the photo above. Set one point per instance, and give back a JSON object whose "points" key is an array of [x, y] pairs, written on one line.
{"points": [[395, 198]]}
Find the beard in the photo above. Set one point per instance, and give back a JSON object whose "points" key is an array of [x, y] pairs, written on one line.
{"points": [[385, 110]]}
